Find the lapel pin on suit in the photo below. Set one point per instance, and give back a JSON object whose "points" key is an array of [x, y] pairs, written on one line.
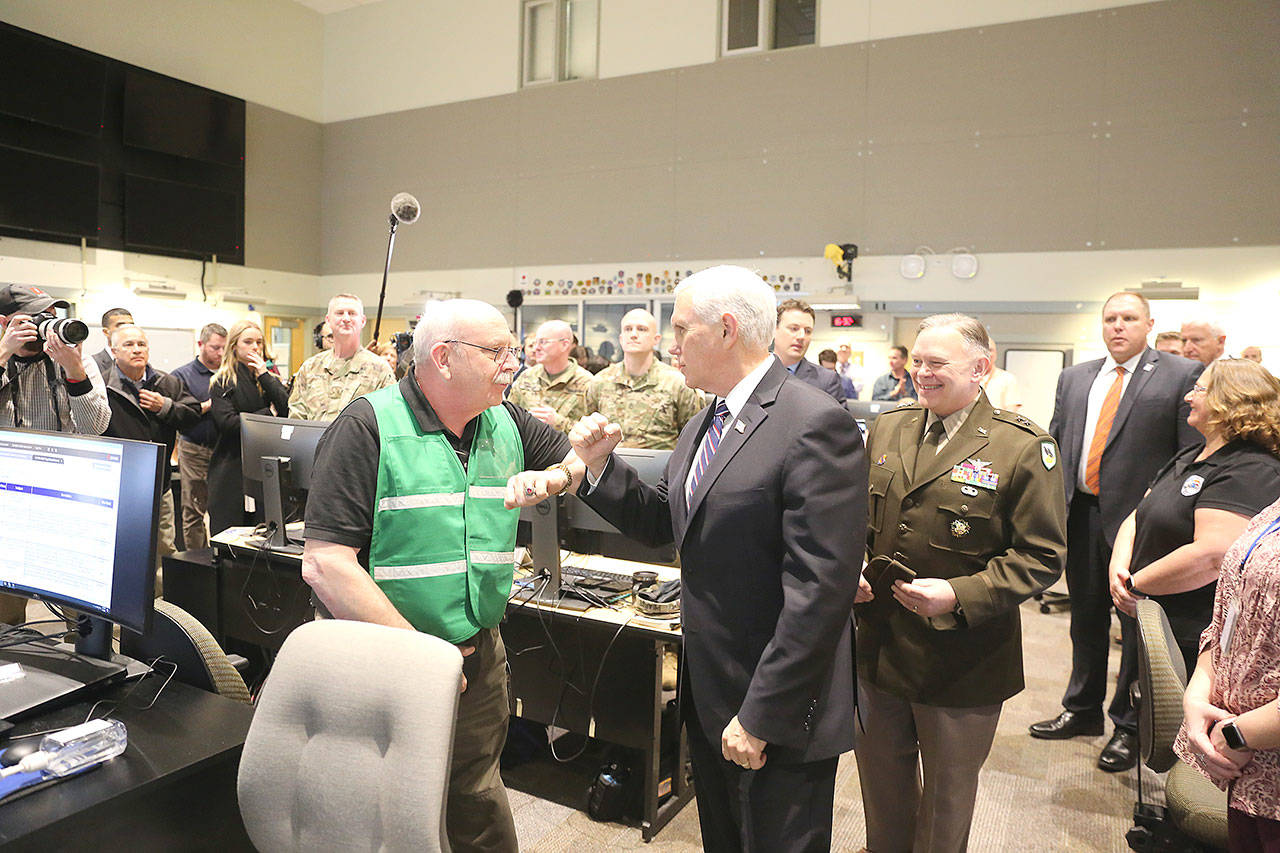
{"points": [[738, 425], [1148, 366]]}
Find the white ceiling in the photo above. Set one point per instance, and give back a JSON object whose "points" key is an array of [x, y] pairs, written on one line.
{"points": [[324, 7]]}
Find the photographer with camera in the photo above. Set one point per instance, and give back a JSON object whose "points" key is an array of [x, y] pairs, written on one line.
{"points": [[329, 380], [45, 382]]}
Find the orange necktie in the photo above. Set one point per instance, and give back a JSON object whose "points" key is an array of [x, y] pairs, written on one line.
{"points": [[1092, 470]]}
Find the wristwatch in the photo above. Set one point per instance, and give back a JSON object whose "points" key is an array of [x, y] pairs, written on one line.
{"points": [[1128, 585], [1232, 735]]}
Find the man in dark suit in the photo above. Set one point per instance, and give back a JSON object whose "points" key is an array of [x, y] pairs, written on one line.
{"points": [[1118, 420], [791, 338], [765, 494], [969, 499]]}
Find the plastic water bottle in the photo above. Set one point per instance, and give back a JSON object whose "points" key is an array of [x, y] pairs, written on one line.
{"points": [[78, 747]]}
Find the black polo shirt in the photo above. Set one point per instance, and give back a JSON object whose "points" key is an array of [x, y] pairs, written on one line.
{"points": [[344, 481], [1240, 477]]}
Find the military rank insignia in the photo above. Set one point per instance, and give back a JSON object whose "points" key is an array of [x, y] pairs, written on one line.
{"points": [[959, 528], [975, 472], [1048, 455]]}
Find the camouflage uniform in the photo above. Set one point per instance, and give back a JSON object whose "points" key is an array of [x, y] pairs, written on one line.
{"points": [[651, 408], [325, 383], [567, 394]]}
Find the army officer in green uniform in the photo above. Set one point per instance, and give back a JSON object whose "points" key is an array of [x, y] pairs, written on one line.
{"points": [[332, 378], [970, 500], [555, 389], [407, 527], [647, 398]]}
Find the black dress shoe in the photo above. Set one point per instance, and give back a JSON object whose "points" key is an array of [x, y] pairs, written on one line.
{"points": [[1068, 724], [1120, 753]]}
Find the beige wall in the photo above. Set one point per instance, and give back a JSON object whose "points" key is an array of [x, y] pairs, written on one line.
{"points": [[282, 170], [1064, 134]]}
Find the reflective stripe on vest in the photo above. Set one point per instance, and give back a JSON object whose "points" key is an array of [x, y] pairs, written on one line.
{"points": [[443, 543]]}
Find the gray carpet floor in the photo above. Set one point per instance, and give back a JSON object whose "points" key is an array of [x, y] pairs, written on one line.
{"points": [[1033, 795]]}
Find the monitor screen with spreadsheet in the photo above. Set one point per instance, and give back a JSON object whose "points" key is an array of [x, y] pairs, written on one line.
{"points": [[79, 522]]}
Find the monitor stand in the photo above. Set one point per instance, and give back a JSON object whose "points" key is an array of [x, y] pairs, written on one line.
{"points": [[544, 549], [55, 673], [276, 481]]}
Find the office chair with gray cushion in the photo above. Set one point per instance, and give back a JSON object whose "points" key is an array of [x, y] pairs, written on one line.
{"points": [[1195, 808], [178, 637], [350, 744]]}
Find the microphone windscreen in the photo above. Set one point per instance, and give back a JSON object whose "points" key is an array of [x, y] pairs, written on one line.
{"points": [[405, 208]]}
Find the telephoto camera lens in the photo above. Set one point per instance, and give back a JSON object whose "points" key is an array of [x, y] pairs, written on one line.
{"points": [[70, 332]]}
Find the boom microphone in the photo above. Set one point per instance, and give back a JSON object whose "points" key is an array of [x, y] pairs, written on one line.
{"points": [[405, 208]]}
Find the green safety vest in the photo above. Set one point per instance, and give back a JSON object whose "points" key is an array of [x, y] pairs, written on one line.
{"points": [[442, 548]]}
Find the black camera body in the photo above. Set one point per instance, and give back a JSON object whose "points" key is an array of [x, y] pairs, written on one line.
{"points": [[69, 331], [402, 342]]}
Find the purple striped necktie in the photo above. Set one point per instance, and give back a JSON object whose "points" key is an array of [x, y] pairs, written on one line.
{"points": [[710, 442]]}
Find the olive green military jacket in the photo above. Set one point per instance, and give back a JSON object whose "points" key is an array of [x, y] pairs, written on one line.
{"points": [[988, 515], [567, 394], [651, 408], [325, 384]]}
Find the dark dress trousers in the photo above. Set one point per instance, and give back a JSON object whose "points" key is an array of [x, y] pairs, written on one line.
{"points": [[770, 547], [262, 395], [821, 378], [1150, 427]]}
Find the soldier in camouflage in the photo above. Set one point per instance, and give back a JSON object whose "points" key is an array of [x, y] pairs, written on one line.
{"points": [[555, 389], [647, 398], [329, 380]]}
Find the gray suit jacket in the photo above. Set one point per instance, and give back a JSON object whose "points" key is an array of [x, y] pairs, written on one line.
{"points": [[1149, 428], [770, 546]]}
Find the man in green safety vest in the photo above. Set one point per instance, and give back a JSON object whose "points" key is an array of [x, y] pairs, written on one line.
{"points": [[406, 526]]}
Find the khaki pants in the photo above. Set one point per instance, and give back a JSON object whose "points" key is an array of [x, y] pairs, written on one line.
{"points": [[164, 537], [193, 469], [478, 818], [899, 739]]}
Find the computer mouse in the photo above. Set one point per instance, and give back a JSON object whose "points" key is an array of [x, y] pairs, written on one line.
{"points": [[18, 750]]}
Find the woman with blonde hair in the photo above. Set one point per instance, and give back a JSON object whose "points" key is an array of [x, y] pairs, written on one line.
{"points": [[242, 384], [1171, 547]]}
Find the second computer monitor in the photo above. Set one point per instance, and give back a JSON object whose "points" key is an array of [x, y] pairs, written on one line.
{"points": [[277, 455]]}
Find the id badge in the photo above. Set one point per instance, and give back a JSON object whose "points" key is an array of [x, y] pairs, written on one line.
{"points": [[1228, 627]]}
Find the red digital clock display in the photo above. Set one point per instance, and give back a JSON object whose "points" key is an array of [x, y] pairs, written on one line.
{"points": [[845, 321]]}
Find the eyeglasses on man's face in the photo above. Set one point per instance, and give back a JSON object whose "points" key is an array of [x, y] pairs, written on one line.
{"points": [[500, 354]]}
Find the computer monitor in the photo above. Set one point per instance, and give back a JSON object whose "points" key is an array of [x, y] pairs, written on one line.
{"points": [[80, 531], [569, 523], [589, 533], [866, 411], [277, 455]]}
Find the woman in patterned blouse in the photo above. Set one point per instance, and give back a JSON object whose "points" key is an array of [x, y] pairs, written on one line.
{"points": [[1236, 681]]}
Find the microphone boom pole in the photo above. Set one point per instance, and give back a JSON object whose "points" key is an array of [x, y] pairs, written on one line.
{"points": [[382, 295]]}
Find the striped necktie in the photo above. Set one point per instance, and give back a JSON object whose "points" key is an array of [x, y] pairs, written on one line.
{"points": [[1106, 415], [710, 442]]}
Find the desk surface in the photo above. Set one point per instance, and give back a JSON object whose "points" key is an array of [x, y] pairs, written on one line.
{"points": [[661, 629], [186, 732]]}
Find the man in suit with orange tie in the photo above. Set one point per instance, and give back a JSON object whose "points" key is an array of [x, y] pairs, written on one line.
{"points": [[1117, 421]]}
